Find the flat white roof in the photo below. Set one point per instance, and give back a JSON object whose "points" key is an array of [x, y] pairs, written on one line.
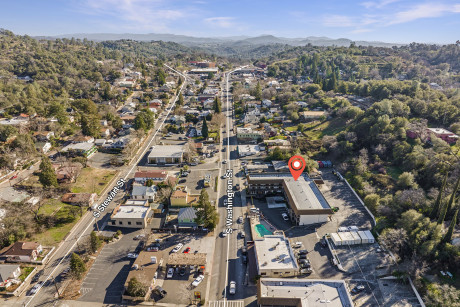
{"points": [[161, 151], [305, 193], [273, 253], [311, 292], [131, 212], [248, 149]]}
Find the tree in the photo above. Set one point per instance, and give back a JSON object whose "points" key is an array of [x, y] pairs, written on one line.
{"points": [[181, 99], [406, 180], [149, 182], [217, 105], [204, 129], [90, 125], [95, 242], [448, 236], [258, 91], [206, 214], [144, 120], [47, 176], [77, 266], [136, 288], [437, 204]]}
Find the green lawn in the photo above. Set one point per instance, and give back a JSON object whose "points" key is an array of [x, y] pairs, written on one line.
{"points": [[316, 130], [25, 272], [293, 128], [51, 206], [92, 180]]}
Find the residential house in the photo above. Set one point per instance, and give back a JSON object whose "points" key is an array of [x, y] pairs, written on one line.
{"points": [[9, 273], [186, 217], [142, 192], [444, 134], [128, 119], [301, 104], [79, 199], [43, 147], [143, 176], [43, 136], [178, 119], [80, 149], [208, 104], [248, 135], [251, 118], [267, 103], [21, 252], [105, 132], [68, 172], [83, 139]]}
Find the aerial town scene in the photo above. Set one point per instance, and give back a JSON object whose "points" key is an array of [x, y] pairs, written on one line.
{"points": [[232, 162]]}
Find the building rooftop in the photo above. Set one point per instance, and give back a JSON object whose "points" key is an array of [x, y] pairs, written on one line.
{"points": [[240, 130], [440, 131], [173, 151], [133, 212], [151, 174], [304, 292], [274, 252], [305, 194], [78, 146]]}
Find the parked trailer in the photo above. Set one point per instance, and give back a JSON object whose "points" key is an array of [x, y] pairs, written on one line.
{"points": [[342, 229], [347, 238], [364, 238], [356, 237], [369, 236], [336, 239]]}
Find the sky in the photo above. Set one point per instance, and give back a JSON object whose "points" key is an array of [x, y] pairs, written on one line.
{"points": [[395, 21]]}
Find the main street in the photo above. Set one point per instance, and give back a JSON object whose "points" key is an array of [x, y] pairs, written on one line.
{"points": [[226, 263], [60, 259]]}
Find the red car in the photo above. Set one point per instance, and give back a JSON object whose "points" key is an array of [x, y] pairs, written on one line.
{"points": [[187, 250], [14, 177]]}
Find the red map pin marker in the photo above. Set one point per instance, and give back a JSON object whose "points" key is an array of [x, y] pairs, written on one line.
{"points": [[296, 166]]}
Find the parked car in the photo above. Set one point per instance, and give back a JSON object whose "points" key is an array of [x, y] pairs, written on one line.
{"points": [[323, 242], [182, 271], [160, 291], [153, 249], [139, 237], [197, 281], [39, 274], [240, 219], [177, 248], [285, 216], [132, 255], [357, 289], [303, 252], [232, 288], [224, 234], [187, 250], [301, 256], [242, 234], [170, 273], [244, 258], [224, 161], [237, 187], [244, 250], [297, 244]]}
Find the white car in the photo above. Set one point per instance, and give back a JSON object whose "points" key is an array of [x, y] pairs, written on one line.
{"points": [[285, 217], [132, 255], [224, 234], [198, 280], [178, 248], [36, 287], [232, 288], [170, 273], [224, 162]]}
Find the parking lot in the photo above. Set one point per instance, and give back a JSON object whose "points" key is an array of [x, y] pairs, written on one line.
{"points": [[179, 288], [106, 278]]}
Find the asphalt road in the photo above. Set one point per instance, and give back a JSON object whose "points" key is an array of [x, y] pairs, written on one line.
{"points": [[227, 265], [59, 260]]}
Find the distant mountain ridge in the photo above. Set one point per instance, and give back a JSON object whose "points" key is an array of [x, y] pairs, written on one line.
{"points": [[233, 41]]}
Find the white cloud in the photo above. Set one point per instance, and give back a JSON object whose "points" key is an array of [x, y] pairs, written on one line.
{"points": [[222, 22], [151, 15], [425, 10], [378, 4]]}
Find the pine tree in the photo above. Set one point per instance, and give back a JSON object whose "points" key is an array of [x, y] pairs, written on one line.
{"points": [[437, 204], [47, 176], [454, 193], [206, 214], [95, 242], [204, 129], [77, 266], [217, 106], [448, 236], [181, 99], [258, 93]]}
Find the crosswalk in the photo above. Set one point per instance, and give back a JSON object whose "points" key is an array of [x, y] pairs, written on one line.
{"points": [[225, 303]]}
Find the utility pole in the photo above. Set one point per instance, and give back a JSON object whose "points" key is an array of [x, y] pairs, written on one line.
{"points": [[57, 290], [97, 225]]}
